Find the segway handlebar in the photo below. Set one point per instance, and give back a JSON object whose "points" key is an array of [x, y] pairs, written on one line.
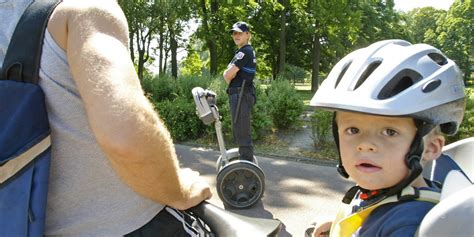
{"points": [[207, 111], [225, 223], [204, 100]]}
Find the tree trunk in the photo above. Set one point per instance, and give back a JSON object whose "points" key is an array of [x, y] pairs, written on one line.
{"points": [[282, 49], [174, 49], [165, 63], [316, 58], [210, 42], [160, 46], [132, 49], [141, 52]]}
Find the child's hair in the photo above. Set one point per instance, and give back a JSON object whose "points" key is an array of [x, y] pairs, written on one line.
{"points": [[396, 78]]}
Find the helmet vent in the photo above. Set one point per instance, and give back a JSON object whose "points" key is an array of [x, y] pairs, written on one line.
{"points": [[342, 73], [431, 85], [399, 83], [371, 68], [438, 58]]}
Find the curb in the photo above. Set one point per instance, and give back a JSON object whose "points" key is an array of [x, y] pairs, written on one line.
{"points": [[305, 160]]}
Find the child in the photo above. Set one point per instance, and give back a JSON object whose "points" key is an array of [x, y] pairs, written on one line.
{"points": [[385, 99]]}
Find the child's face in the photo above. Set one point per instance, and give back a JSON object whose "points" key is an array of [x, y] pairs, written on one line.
{"points": [[373, 148]]}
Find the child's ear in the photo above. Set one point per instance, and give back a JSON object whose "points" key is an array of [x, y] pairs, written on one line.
{"points": [[433, 147]]}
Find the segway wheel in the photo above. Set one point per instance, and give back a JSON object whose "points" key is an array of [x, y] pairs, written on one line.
{"points": [[240, 184]]}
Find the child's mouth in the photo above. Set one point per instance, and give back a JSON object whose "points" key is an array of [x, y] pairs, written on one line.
{"points": [[367, 167]]}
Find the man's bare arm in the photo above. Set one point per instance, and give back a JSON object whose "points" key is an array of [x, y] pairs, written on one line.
{"points": [[124, 122]]}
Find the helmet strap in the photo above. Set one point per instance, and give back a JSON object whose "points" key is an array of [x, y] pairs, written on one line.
{"points": [[413, 157], [413, 162], [340, 167]]}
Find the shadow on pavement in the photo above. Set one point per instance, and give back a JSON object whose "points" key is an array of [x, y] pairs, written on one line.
{"points": [[295, 192]]}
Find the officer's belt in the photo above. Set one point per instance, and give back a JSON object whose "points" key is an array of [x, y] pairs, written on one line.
{"points": [[233, 90]]}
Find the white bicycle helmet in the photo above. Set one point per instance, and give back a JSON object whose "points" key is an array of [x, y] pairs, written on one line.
{"points": [[396, 78]]}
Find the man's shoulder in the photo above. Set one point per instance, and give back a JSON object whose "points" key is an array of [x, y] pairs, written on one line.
{"points": [[103, 14], [107, 10], [74, 6]]}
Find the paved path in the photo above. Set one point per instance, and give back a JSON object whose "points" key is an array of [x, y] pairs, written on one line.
{"points": [[295, 192]]}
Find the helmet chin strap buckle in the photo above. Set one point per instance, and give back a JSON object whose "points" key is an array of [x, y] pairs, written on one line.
{"points": [[412, 160]]}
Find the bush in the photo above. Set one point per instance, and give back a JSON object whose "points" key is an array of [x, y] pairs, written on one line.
{"points": [[185, 84], [173, 100], [160, 88], [321, 126], [261, 121], [284, 105], [180, 118]]}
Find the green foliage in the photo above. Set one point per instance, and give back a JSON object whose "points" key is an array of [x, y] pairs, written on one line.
{"points": [[421, 23], [180, 118], [192, 64], [450, 31], [160, 88], [455, 35], [261, 121], [321, 125], [174, 102], [294, 73], [284, 105], [185, 84]]}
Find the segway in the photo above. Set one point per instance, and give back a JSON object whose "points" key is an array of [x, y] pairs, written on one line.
{"points": [[240, 183]]}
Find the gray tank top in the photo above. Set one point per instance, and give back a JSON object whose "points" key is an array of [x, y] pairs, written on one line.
{"points": [[86, 197]]}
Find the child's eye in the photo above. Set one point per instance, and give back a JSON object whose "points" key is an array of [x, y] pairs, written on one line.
{"points": [[390, 132], [352, 130]]}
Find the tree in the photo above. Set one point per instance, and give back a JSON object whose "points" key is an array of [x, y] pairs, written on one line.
{"points": [[421, 23], [326, 19], [143, 26], [192, 64], [208, 11], [456, 34]]}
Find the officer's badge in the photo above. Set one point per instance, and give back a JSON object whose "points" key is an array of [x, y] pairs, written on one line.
{"points": [[239, 55]]}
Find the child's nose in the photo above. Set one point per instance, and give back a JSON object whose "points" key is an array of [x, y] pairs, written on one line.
{"points": [[366, 146]]}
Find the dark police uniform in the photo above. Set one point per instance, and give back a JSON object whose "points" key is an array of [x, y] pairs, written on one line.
{"points": [[245, 60]]}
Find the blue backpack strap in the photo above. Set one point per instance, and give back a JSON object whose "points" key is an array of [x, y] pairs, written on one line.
{"points": [[22, 60], [25, 152]]}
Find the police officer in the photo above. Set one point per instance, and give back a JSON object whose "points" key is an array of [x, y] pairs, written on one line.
{"points": [[239, 75]]}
